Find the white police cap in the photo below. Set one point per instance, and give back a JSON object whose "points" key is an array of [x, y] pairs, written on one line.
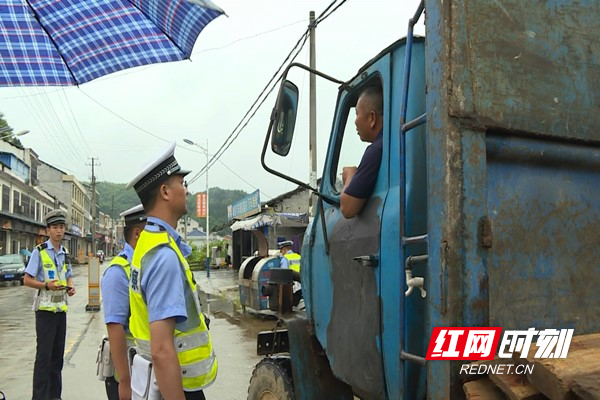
{"points": [[156, 172], [134, 215], [55, 217], [285, 243]]}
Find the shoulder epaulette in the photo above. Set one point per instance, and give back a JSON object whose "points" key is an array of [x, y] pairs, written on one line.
{"points": [[42, 246]]}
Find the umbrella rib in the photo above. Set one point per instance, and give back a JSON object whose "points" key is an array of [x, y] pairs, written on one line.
{"points": [[157, 27], [36, 16]]}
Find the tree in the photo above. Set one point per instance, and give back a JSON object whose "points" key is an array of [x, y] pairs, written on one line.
{"points": [[7, 134], [124, 199], [218, 199]]}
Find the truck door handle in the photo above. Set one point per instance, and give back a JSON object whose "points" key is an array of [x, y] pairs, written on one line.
{"points": [[368, 261]]}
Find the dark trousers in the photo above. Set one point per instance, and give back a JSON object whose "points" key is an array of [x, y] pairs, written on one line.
{"points": [[51, 329], [195, 395], [112, 388], [297, 297]]}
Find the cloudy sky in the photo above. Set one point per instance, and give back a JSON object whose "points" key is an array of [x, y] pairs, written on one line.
{"points": [[125, 119]]}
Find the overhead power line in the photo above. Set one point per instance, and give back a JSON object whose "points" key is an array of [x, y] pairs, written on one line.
{"points": [[267, 90], [247, 38]]}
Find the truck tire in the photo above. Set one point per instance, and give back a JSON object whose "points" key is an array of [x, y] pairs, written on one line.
{"points": [[272, 380]]}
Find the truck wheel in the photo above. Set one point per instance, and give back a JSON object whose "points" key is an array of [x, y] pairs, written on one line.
{"points": [[272, 380]]}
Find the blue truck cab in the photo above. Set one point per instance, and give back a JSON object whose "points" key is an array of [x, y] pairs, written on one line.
{"points": [[486, 209]]}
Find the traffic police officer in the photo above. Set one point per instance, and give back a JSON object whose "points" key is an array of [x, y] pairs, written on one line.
{"points": [[115, 295], [291, 260], [49, 271], [166, 320]]}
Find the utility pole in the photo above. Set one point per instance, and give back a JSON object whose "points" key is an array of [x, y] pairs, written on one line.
{"points": [[185, 218], [113, 230], [93, 266], [312, 143], [94, 212], [207, 221]]}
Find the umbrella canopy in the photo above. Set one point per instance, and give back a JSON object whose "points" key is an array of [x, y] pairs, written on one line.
{"points": [[69, 42]]}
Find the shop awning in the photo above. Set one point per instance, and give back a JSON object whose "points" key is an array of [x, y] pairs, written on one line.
{"points": [[256, 222]]}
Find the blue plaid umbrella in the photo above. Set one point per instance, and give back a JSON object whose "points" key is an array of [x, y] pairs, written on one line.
{"points": [[69, 42]]}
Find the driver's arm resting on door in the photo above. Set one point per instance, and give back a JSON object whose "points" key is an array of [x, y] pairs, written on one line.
{"points": [[360, 182], [350, 205]]}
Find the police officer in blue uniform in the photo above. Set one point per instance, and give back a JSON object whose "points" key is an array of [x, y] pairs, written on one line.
{"points": [[166, 319], [290, 259], [115, 295], [49, 272]]}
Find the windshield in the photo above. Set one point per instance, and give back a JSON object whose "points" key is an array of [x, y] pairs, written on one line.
{"points": [[11, 259]]}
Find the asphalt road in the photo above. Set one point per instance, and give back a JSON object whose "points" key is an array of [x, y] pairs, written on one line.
{"points": [[233, 339]]}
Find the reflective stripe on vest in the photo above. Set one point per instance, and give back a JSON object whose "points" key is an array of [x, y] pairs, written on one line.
{"points": [[52, 300], [194, 348], [293, 261], [182, 343], [122, 262]]}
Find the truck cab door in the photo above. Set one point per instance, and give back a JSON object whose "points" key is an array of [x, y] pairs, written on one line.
{"points": [[344, 301]]}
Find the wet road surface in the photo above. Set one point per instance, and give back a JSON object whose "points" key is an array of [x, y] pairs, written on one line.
{"points": [[233, 335]]}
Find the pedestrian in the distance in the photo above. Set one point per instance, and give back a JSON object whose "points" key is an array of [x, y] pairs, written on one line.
{"points": [[49, 272]]}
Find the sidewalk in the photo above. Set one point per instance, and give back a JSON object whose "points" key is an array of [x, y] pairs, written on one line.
{"points": [[220, 292], [221, 281], [236, 355], [79, 371]]}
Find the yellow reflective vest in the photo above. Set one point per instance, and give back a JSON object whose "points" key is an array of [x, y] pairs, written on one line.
{"points": [[293, 261], [123, 263], [193, 345], [52, 300]]}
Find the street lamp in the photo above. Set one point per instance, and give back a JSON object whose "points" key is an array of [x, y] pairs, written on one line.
{"points": [[205, 150], [6, 129]]}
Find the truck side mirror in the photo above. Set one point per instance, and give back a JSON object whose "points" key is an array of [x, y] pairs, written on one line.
{"points": [[284, 118]]}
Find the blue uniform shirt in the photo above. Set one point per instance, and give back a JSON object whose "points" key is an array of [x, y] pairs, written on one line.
{"points": [[35, 269], [115, 292], [163, 282], [363, 182]]}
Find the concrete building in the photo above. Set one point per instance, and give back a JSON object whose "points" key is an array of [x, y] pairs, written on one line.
{"points": [[105, 234], [186, 225], [283, 218], [196, 238], [23, 203], [74, 195], [30, 188]]}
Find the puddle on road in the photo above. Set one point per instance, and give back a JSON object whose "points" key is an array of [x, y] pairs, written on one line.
{"points": [[234, 341], [231, 310]]}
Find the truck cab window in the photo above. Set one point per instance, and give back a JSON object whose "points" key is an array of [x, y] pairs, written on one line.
{"points": [[351, 148]]}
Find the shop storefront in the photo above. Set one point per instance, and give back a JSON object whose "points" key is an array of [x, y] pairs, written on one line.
{"points": [[19, 234]]}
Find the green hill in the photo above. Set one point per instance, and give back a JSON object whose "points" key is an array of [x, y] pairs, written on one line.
{"points": [[114, 199]]}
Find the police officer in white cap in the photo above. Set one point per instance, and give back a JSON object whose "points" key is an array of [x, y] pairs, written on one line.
{"points": [[115, 295], [290, 259], [166, 321], [49, 271]]}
